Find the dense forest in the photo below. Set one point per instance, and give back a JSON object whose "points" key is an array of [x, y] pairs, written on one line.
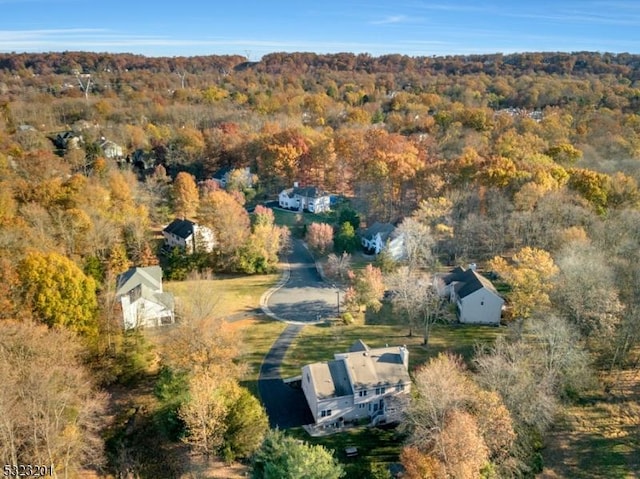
{"points": [[526, 164]]}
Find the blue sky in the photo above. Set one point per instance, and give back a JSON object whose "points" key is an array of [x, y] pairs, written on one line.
{"points": [[253, 28]]}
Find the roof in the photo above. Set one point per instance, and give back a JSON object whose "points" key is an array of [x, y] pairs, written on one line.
{"points": [[362, 367], [307, 192], [149, 276], [468, 282], [221, 173], [376, 367], [359, 345], [180, 228], [385, 230], [330, 379]]}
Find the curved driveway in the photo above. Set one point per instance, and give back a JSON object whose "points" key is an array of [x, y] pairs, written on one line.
{"points": [[304, 297]]}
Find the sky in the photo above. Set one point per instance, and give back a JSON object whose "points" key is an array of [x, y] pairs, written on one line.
{"points": [[253, 28]]}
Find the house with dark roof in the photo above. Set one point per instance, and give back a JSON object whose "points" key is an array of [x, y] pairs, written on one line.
{"points": [[143, 303], [383, 236], [361, 383], [189, 236], [477, 300], [308, 198]]}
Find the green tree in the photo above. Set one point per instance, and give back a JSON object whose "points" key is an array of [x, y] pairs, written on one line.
{"points": [[345, 239], [59, 293], [247, 424], [283, 457]]}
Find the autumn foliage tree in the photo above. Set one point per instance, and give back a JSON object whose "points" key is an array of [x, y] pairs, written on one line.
{"points": [[185, 195], [320, 237], [367, 288], [58, 292], [529, 274], [49, 408]]}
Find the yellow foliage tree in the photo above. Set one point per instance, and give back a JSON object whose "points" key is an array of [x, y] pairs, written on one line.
{"points": [[529, 275]]}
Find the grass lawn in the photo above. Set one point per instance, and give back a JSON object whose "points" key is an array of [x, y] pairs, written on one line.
{"points": [[258, 334], [319, 342], [231, 295], [374, 445]]}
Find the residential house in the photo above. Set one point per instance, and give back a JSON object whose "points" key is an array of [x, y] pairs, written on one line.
{"points": [[476, 298], [308, 198], [242, 175], [111, 149], [67, 140], [361, 383], [143, 303], [189, 236], [381, 236]]}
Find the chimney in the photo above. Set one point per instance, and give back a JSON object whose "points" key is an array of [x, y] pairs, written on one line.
{"points": [[404, 355]]}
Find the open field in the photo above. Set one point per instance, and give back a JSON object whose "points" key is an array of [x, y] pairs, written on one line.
{"points": [[231, 295], [601, 436]]}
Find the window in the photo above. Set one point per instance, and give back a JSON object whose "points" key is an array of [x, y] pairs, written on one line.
{"points": [[362, 393], [325, 413], [362, 406], [381, 390], [400, 387]]}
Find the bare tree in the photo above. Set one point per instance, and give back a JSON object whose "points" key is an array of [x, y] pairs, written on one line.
{"points": [[415, 296]]}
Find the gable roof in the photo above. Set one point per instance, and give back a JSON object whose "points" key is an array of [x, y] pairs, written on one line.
{"points": [[330, 379], [376, 367], [357, 346], [150, 277], [468, 282], [180, 228], [305, 191], [384, 229]]}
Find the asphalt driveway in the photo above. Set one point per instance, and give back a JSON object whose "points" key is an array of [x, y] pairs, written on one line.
{"points": [[285, 405], [305, 297]]}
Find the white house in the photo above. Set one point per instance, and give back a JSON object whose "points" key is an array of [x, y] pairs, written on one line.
{"points": [[242, 175], [362, 383], [189, 236], [144, 304], [381, 236], [111, 149], [308, 198], [475, 296]]}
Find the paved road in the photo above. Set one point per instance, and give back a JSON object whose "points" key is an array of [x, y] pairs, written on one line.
{"points": [[286, 406], [305, 297]]}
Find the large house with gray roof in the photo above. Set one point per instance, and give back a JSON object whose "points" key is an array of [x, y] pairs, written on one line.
{"points": [[308, 198], [477, 300], [363, 383], [143, 303]]}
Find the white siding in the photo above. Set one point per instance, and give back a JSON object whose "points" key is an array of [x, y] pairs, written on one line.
{"points": [[480, 307], [142, 313]]}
